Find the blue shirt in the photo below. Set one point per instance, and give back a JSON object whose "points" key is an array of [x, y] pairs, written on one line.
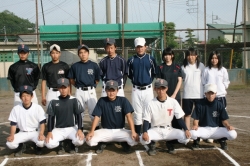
{"points": [[141, 70], [85, 74], [113, 69], [112, 113], [210, 113]]}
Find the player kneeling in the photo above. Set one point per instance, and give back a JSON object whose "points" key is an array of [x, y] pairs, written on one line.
{"points": [[207, 118], [160, 112], [28, 117], [65, 110], [112, 110]]}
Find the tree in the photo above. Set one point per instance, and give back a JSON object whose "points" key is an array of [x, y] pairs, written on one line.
{"points": [[190, 42], [219, 40], [170, 35]]}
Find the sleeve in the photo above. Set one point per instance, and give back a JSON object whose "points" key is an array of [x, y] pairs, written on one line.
{"points": [[204, 76], [71, 74], [226, 81], [37, 74], [178, 112], [130, 70], [147, 113], [44, 72], [196, 113], [101, 69], [125, 67], [50, 110], [11, 76], [41, 114], [97, 72], [153, 68], [13, 115], [183, 73], [158, 71], [223, 114], [98, 108], [179, 70], [78, 109], [66, 70], [127, 107]]}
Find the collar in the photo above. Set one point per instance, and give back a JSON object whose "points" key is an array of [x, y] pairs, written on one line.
{"points": [[141, 56], [161, 101], [64, 98], [113, 57], [27, 107]]}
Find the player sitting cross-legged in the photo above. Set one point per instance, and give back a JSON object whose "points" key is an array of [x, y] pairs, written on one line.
{"points": [[30, 118], [207, 117], [160, 112], [112, 111], [66, 110]]}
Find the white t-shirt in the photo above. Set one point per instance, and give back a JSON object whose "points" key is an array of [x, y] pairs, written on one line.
{"points": [[27, 119], [218, 77], [161, 113], [192, 85]]}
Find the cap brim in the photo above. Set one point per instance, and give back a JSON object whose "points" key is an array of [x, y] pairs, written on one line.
{"points": [[65, 85], [24, 50], [111, 87], [27, 91]]}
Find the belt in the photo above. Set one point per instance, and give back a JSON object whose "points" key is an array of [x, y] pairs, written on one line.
{"points": [[85, 88], [53, 89], [142, 87], [119, 87], [30, 131], [164, 127]]}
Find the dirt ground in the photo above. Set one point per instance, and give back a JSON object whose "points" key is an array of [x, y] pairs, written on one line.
{"points": [[238, 150]]}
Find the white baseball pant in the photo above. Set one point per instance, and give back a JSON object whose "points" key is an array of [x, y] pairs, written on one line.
{"points": [[213, 133], [111, 135], [60, 134], [140, 99], [17, 99], [167, 133], [22, 137], [120, 91], [51, 95]]}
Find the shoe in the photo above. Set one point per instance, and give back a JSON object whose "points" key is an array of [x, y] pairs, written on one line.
{"points": [[100, 147], [209, 140], [72, 148], [223, 144], [152, 151], [38, 150], [20, 149], [61, 148], [126, 147], [170, 147], [195, 145]]}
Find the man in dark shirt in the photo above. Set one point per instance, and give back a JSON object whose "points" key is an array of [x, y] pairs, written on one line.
{"points": [[66, 111], [23, 72], [207, 117], [112, 111]]}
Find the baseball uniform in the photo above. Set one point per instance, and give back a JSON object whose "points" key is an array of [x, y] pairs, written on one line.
{"points": [[141, 71], [23, 72]]}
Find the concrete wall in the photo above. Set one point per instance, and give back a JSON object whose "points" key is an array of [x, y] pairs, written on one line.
{"points": [[237, 76]]}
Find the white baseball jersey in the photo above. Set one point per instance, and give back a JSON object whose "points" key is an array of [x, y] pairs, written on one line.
{"points": [[161, 113]]}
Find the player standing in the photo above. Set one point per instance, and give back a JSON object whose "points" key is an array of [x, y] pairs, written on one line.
{"points": [[51, 72], [192, 70], [160, 112], [30, 118], [63, 113], [112, 111], [141, 71], [207, 117], [113, 67], [85, 75], [23, 72]]}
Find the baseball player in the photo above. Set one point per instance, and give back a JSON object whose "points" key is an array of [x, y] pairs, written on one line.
{"points": [[85, 75], [141, 71], [113, 67], [65, 110], [112, 111], [192, 70], [160, 112], [23, 72], [207, 117], [51, 72], [30, 118]]}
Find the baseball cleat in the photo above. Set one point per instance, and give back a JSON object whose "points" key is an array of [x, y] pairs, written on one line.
{"points": [[223, 145], [170, 147], [61, 148], [100, 147], [20, 149], [126, 147], [151, 151], [195, 145], [38, 150], [72, 149]]}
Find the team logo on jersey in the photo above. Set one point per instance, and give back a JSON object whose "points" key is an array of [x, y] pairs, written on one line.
{"points": [[169, 111], [57, 104], [60, 71], [215, 114], [118, 109], [25, 87], [90, 71], [29, 71]]}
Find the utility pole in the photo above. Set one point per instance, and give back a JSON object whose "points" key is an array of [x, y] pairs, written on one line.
{"points": [[108, 13], [5, 36], [193, 8], [122, 28], [117, 11], [214, 17], [205, 32], [80, 24], [165, 25], [159, 10], [42, 12], [93, 12], [37, 36]]}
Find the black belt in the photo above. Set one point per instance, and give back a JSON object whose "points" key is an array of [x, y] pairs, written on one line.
{"points": [[85, 88], [162, 126], [53, 89], [30, 131], [119, 87], [142, 87]]}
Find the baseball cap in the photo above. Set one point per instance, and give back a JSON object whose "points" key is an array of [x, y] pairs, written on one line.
{"points": [[57, 47], [25, 88], [111, 84], [211, 88], [110, 41], [140, 41], [83, 46], [161, 83], [62, 82], [23, 48]]}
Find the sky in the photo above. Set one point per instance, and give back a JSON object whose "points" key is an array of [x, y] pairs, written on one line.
{"points": [[58, 12]]}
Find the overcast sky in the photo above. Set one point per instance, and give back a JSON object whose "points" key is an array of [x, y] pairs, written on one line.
{"points": [[57, 12]]}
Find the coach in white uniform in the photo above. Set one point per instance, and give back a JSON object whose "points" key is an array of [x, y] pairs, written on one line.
{"points": [[160, 112], [30, 118]]}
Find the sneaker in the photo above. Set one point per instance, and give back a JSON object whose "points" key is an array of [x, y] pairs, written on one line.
{"points": [[223, 144], [61, 148], [72, 148], [20, 149], [171, 148], [126, 147], [100, 147], [195, 145], [151, 151], [38, 150]]}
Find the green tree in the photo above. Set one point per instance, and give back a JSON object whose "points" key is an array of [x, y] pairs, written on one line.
{"points": [[190, 42], [219, 40], [170, 35]]}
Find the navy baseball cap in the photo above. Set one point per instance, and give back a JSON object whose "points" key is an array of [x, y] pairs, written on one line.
{"points": [[62, 82], [26, 88], [23, 48], [161, 83], [83, 46], [111, 84], [110, 41]]}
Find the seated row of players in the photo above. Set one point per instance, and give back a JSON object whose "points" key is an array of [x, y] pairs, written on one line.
{"points": [[65, 120]]}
